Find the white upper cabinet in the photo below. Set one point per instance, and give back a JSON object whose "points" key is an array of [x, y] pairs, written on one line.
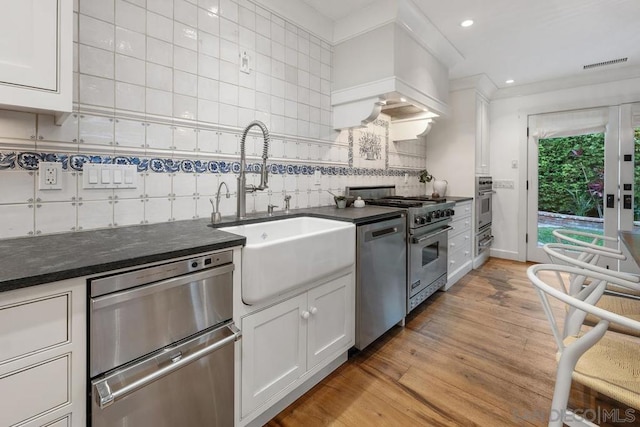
{"points": [[36, 51], [482, 136]]}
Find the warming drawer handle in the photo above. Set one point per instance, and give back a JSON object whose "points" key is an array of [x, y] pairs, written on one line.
{"points": [[119, 297], [487, 192], [485, 242], [105, 396], [430, 235]]}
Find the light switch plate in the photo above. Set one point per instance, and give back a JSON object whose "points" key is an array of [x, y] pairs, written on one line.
{"points": [[109, 176]]}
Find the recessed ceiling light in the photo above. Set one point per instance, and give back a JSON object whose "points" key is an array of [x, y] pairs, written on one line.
{"points": [[510, 81], [466, 23], [403, 99]]}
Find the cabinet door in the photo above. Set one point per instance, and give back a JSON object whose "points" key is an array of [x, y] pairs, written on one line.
{"points": [[332, 319], [28, 43], [482, 136], [274, 351]]}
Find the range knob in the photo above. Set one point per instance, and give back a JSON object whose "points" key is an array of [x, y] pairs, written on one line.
{"points": [[437, 214], [416, 220], [429, 217]]}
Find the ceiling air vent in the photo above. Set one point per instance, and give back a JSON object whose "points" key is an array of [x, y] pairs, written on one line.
{"points": [[605, 63]]}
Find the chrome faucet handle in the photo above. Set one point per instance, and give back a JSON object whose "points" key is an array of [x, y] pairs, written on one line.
{"points": [[270, 209]]}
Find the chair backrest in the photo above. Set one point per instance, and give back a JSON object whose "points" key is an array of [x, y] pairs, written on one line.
{"points": [[579, 304], [583, 257], [597, 241]]}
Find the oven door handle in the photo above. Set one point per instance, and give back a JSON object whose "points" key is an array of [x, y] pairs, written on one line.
{"points": [[105, 396], [430, 235], [486, 193]]}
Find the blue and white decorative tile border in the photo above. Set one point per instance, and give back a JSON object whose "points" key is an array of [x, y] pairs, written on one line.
{"points": [[30, 161]]}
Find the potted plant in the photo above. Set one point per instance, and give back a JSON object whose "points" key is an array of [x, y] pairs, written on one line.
{"points": [[341, 201], [425, 176], [439, 186]]}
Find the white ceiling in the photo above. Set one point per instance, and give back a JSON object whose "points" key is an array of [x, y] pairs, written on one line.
{"points": [[527, 40]]}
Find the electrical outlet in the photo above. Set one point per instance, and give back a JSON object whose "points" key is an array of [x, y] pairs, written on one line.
{"points": [[50, 176]]}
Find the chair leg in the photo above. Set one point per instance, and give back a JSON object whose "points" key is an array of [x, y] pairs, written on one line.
{"points": [[566, 366]]}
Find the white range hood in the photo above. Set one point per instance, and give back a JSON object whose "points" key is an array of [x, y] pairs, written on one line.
{"points": [[389, 54]]}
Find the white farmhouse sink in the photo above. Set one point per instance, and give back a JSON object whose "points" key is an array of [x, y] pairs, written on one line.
{"points": [[284, 254]]}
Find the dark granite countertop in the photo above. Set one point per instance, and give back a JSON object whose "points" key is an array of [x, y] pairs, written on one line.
{"points": [[37, 260], [358, 216]]}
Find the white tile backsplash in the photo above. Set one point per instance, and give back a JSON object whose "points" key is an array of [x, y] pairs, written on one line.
{"points": [[96, 33], [55, 217], [161, 79], [130, 16], [130, 97], [17, 220]]}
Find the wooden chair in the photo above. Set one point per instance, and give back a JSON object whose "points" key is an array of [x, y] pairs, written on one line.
{"points": [[606, 362]]}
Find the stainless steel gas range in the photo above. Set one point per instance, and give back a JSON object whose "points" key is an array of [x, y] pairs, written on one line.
{"points": [[427, 238]]}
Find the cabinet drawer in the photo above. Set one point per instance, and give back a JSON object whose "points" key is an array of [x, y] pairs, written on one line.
{"points": [[33, 326], [459, 225], [458, 259], [60, 423], [459, 241], [32, 391], [463, 209]]}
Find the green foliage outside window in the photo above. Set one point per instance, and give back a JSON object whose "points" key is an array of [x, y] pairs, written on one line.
{"points": [[571, 171]]}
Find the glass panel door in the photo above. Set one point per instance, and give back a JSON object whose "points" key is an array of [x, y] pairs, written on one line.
{"points": [[572, 165], [629, 176]]}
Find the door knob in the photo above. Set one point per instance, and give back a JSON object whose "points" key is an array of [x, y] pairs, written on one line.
{"points": [[305, 314], [313, 310]]}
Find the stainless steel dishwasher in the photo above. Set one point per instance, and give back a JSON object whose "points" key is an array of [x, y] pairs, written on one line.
{"points": [[381, 278], [161, 345]]}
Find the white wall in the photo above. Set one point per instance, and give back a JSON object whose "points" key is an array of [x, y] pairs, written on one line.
{"points": [[451, 144], [158, 84], [508, 118]]}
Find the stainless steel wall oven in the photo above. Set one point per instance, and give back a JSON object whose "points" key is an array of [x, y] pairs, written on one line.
{"points": [[484, 216], [161, 345]]}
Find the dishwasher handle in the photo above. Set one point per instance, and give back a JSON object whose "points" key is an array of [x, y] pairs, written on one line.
{"points": [[381, 230], [105, 396]]}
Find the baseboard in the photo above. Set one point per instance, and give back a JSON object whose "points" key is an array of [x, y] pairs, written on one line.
{"points": [[500, 253], [453, 279]]}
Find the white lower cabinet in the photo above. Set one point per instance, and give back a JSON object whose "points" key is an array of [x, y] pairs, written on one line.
{"points": [[460, 251], [284, 344], [42, 355]]}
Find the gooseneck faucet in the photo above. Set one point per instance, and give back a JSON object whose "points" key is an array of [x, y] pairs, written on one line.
{"points": [[242, 179], [216, 217]]}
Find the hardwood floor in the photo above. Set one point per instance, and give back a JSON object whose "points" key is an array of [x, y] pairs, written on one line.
{"points": [[480, 354]]}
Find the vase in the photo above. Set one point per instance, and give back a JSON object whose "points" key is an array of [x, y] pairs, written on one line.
{"points": [[440, 187]]}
